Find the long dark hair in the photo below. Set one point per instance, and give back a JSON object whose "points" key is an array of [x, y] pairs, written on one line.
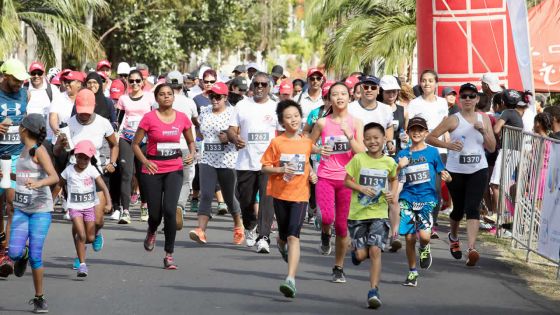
{"points": [[40, 137]]}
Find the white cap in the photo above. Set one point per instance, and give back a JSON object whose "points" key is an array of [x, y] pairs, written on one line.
{"points": [[253, 65], [123, 68], [493, 82], [389, 82]]}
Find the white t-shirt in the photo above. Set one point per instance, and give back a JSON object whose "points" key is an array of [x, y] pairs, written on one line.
{"points": [[215, 153], [188, 107], [433, 112], [308, 104], [381, 114], [80, 187], [95, 132], [62, 105], [39, 101], [257, 126]]}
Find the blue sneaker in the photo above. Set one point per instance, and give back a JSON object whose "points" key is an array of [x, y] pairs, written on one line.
{"points": [[97, 242], [373, 298], [355, 260], [76, 264]]}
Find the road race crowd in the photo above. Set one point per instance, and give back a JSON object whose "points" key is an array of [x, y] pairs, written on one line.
{"points": [[369, 161]]}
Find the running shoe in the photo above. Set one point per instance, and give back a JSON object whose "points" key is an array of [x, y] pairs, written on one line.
{"points": [[396, 244], [472, 257], [251, 237], [169, 263], [338, 275], [39, 305], [454, 247], [144, 214], [373, 298], [66, 216], [21, 265], [355, 260], [150, 241], [283, 250], [82, 271], [98, 242], [425, 257], [76, 263], [238, 235], [198, 236], [325, 244], [222, 208], [194, 205], [435, 235], [411, 279], [125, 217], [6, 266], [263, 247], [134, 199], [288, 288], [179, 218], [116, 216], [318, 224]]}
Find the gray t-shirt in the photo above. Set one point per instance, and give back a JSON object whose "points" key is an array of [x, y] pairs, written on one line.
{"points": [[512, 118]]}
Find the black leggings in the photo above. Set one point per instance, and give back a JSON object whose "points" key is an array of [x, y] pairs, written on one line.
{"points": [[162, 198], [467, 191], [128, 164], [289, 216]]}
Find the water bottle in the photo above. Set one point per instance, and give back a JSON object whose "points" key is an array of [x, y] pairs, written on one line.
{"points": [[65, 130], [293, 165], [402, 134], [329, 143], [6, 165]]}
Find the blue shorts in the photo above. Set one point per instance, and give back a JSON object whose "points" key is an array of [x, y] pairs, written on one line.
{"points": [[416, 216], [371, 232], [15, 158]]}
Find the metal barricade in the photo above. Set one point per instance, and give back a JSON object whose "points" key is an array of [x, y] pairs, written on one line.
{"points": [[524, 168]]}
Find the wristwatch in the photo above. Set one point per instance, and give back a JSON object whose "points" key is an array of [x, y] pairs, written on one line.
{"points": [[114, 164]]}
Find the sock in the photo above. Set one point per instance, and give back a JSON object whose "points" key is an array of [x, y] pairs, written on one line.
{"points": [[82, 264], [422, 247], [454, 239], [325, 238], [292, 279], [413, 270]]}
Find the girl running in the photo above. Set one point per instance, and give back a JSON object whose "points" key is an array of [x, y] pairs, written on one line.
{"points": [[342, 137], [33, 205]]}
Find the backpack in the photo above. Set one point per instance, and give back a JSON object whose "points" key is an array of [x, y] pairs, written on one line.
{"points": [[49, 90]]}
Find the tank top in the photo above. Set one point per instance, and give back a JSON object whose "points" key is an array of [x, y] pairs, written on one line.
{"points": [[472, 158], [333, 167], [31, 200], [398, 124]]}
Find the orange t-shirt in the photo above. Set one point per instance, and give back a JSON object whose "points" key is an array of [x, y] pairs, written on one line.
{"points": [[283, 150]]}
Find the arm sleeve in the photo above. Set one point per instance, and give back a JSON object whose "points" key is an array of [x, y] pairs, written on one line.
{"points": [[64, 173]]}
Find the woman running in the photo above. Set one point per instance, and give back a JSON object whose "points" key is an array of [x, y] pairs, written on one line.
{"points": [[471, 133], [162, 166], [389, 94], [342, 137]]}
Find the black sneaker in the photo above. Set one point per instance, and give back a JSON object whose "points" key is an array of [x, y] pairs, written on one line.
{"points": [[454, 248], [325, 244], [411, 279], [338, 275], [40, 305], [425, 257], [355, 260], [21, 265]]}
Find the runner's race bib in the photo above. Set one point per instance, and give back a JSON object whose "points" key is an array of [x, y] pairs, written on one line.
{"points": [[417, 174], [23, 195], [214, 147], [166, 149], [373, 178], [11, 136], [340, 145], [258, 137], [81, 196], [287, 158], [469, 159]]}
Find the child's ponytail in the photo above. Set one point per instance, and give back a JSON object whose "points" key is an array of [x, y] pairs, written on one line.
{"points": [[40, 138]]}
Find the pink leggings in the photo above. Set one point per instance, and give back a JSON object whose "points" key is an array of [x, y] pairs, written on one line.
{"points": [[333, 198]]}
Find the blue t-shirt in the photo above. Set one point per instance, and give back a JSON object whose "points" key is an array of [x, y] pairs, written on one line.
{"points": [[420, 185], [14, 106]]}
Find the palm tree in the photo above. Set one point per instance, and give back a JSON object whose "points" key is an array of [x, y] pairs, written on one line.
{"points": [[64, 17], [363, 32]]}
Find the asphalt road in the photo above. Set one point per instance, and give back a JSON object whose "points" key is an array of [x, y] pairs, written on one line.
{"points": [[221, 278]]}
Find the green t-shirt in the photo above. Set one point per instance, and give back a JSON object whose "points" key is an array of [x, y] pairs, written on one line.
{"points": [[374, 173]]}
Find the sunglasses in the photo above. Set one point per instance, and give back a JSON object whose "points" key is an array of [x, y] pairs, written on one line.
{"points": [[260, 84], [209, 82], [123, 75], [137, 81], [36, 73], [471, 96], [315, 78], [215, 96], [368, 87]]}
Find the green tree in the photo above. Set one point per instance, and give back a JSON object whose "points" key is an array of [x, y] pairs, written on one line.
{"points": [[64, 17]]}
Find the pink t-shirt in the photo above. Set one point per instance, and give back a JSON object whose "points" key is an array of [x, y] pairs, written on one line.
{"points": [[164, 141], [333, 167], [134, 110]]}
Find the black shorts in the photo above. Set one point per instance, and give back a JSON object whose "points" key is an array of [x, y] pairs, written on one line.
{"points": [[290, 216]]}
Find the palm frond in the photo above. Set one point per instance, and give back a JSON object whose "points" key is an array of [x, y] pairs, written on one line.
{"points": [[45, 50]]}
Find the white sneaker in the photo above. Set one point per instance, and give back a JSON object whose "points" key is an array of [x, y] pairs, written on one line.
{"points": [[251, 237], [116, 216], [67, 215], [262, 246]]}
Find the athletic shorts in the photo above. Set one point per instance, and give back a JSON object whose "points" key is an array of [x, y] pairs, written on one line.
{"points": [[88, 215], [371, 232], [416, 216]]}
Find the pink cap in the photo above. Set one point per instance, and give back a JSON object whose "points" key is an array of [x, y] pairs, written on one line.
{"points": [[103, 75], [351, 81], [103, 63], [36, 65], [74, 76], [56, 79], [86, 147], [220, 88], [85, 102], [313, 70], [286, 87], [326, 87], [116, 89]]}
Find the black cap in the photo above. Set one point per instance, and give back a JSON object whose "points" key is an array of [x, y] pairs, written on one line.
{"points": [[240, 69], [447, 90], [417, 121], [34, 123], [369, 79], [277, 71], [468, 87], [513, 98], [241, 82]]}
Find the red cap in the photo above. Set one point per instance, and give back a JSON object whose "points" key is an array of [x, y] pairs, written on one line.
{"points": [[85, 147], [351, 81], [103, 75], [74, 76], [145, 73], [311, 71], [85, 102], [56, 79], [220, 88], [36, 65], [116, 89], [103, 63], [286, 87], [326, 87]]}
